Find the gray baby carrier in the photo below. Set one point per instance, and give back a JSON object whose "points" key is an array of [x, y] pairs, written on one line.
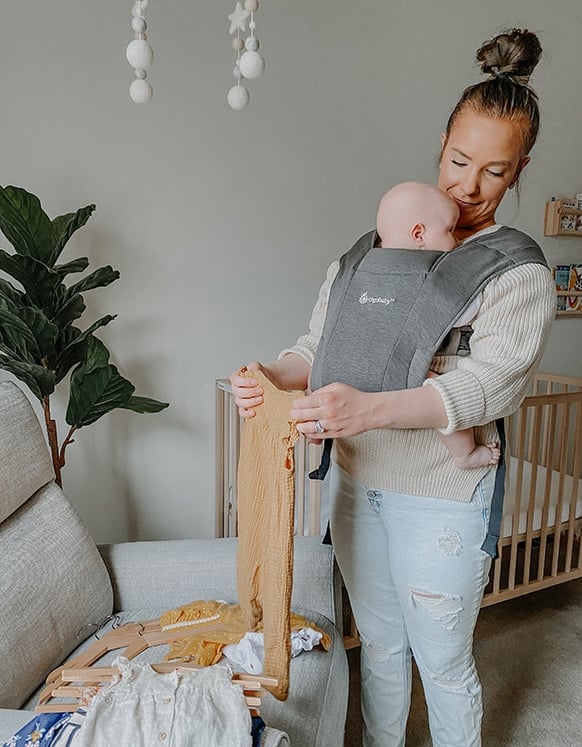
{"points": [[390, 310]]}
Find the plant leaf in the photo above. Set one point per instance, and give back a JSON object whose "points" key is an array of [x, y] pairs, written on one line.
{"points": [[16, 335], [44, 331], [64, 226], [81, 347], [67, 308], [97, 279], [75, 265], [66, 354], [25, 224], [80, 337], [39, 281], [94, 394], [71, 304], [97, 355], [9, 292], [144, 404], [38, 379]]}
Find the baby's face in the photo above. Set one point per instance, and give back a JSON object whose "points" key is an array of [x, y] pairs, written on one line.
{"points": [[440, 229]]}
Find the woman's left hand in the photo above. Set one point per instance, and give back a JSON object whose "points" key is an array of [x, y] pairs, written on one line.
{"points": [[339, 409]]}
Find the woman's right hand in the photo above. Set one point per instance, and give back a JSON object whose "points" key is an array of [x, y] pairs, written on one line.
{"points": [[247, 392]]}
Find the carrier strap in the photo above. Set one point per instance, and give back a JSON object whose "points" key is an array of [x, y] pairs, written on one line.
{"points": [[496, 515]]}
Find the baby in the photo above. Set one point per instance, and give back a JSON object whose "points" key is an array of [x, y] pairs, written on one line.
{"points": [[413, 215]]}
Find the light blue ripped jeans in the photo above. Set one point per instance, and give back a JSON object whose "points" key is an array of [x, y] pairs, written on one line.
{"points": [[415, 573]]}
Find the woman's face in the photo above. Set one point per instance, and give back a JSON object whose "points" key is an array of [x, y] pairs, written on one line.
{"points": [[481, 158]]}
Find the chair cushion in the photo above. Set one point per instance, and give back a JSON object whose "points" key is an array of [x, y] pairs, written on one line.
{"points": [[53, 585], [25, 463]]}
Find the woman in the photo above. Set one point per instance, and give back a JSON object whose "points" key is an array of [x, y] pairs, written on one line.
{"points": [[407, 525]]}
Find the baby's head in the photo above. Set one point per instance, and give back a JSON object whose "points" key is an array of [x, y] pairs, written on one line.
{"points": [[413, 215]]}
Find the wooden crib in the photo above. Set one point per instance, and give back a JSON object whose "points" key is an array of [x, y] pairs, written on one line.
{"points": [[542, 520]]}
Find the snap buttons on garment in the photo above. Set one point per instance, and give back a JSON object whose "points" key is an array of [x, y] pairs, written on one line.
{"points": [[162, 736], [167, 700]]}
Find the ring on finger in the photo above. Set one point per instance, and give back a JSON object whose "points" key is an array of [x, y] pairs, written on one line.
{"points": [[319, 427]]}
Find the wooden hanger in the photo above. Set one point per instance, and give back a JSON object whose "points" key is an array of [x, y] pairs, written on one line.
{"points": [[134, 638]]}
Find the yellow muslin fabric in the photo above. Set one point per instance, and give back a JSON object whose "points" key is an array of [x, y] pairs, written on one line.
{"points": [[228, 626], [266, 512]]}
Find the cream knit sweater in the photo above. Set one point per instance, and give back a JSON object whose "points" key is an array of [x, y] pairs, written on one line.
{"points": [[509, 334]]}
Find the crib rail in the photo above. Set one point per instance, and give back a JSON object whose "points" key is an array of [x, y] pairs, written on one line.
{"points": [[545, 481]]}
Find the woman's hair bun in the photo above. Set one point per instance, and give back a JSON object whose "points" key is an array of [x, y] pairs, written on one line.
{"points": [[513, 53]]}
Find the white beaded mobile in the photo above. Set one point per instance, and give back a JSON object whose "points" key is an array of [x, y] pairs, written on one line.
{"points": [[140, 55], [249, 63]]}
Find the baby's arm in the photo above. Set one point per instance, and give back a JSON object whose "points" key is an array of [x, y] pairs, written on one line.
{"points": [[466, 453]]}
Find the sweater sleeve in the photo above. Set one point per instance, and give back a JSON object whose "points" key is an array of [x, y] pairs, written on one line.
{"points": [[306, 345], [509, 335]]}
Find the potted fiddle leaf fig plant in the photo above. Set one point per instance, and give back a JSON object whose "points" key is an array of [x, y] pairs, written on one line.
{"points": [[40, 337]]}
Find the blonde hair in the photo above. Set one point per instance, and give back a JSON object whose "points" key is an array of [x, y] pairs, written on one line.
{"points": [[509, 59]]}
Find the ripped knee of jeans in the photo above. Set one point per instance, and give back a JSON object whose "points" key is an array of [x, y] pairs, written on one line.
{"points": [[443, 608], [378, 652], [466, 684]]}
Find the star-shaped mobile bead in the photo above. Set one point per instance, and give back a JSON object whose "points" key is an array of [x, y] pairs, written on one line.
{"points": [[238, 19]]}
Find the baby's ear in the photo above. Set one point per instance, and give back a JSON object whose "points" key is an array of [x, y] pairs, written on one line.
{"points": [[417, 234]]}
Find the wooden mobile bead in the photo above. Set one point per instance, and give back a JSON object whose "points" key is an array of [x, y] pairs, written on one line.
{"points": [[251, 5], [237, 44]]}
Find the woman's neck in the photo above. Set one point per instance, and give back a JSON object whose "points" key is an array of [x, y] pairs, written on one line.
{"points": [[465, 232]]}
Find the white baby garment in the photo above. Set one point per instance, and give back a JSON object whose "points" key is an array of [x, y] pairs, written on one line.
{"points": [[200, 708]]}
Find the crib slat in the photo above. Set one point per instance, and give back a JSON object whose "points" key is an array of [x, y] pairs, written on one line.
{"points": [[314, 493], [219, 464], [574, 493], [497, 572], [235, 426], [522, 419], [563, 428], [531, 506], [548, 442]]}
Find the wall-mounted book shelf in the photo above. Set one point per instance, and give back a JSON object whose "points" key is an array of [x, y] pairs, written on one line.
{"points": [[566, 313], [559, 217]]}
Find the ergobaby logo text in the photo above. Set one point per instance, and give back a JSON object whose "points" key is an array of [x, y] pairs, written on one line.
{"points": [[365, 298]]}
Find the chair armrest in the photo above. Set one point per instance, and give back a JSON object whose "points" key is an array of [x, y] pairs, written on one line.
{"points": [[170, 573]]}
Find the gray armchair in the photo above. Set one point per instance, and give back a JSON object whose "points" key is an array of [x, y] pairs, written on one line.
{"points": [[55, 582]]}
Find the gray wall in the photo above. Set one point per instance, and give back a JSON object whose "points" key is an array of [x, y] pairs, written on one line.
{"points": [[222, 223]]}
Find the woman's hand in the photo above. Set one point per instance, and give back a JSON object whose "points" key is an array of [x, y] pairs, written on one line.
{"points": [[339, 409], [288, 373], [247, 392], [343, 411]]}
